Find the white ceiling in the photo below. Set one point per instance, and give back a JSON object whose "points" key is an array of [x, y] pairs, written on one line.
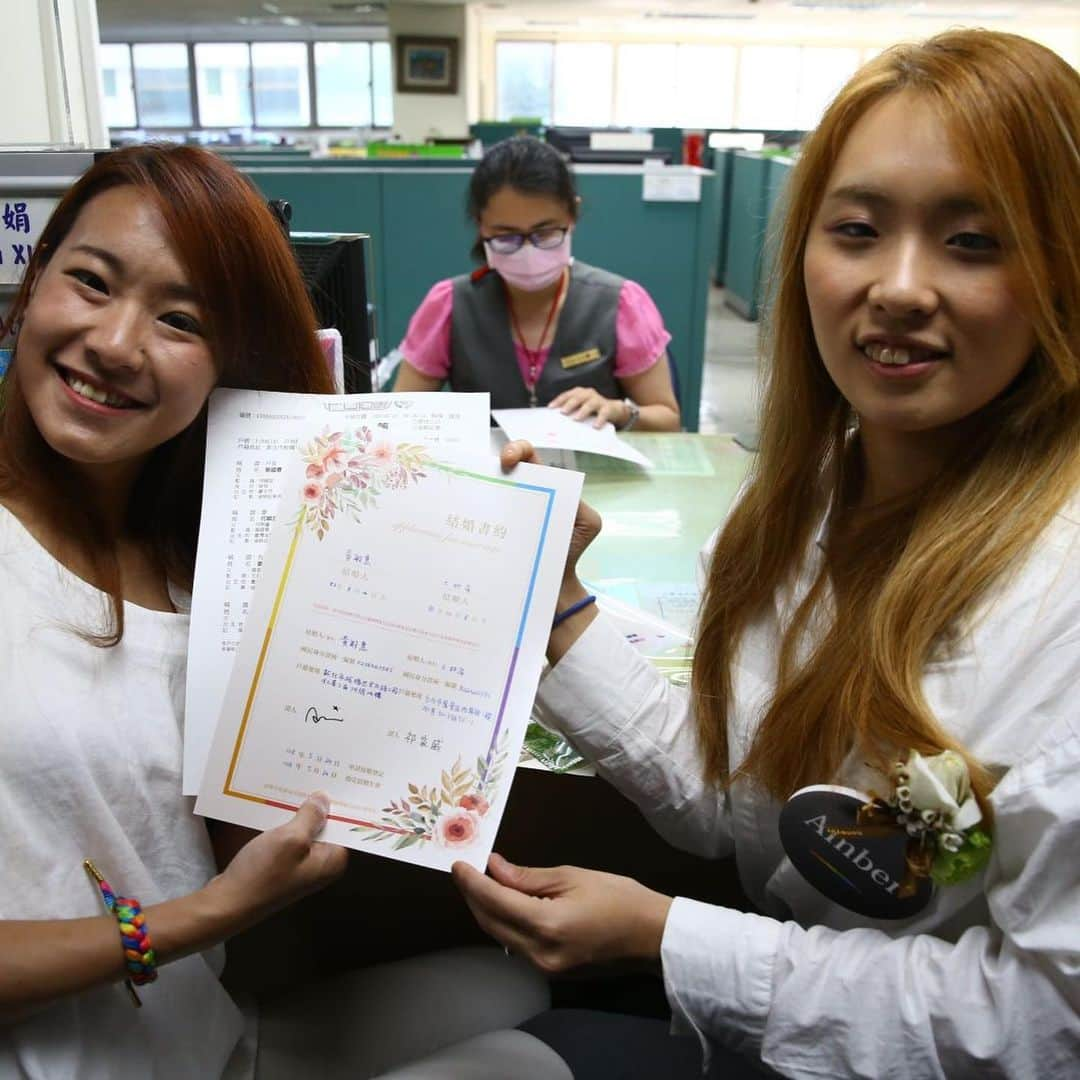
{"points": [[116, 15]]}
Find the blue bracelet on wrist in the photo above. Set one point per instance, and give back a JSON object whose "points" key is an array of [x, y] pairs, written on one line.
{"points": [[573, 609]]}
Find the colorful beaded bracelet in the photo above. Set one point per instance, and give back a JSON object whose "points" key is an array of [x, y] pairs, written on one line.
{"points": [[139, 956]]}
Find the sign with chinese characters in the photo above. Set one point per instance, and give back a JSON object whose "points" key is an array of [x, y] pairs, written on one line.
{"points": [[21, 223], [393, 647]]}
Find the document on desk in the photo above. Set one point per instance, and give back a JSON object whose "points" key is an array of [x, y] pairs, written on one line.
{"points": [[551, 429], [253, 439], [393, 649]]}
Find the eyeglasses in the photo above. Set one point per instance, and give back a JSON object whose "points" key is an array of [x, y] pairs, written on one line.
{"points": [[544, 239]]}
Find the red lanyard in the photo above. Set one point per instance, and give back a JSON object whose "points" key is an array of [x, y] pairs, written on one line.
{"points": [[533, 355]]}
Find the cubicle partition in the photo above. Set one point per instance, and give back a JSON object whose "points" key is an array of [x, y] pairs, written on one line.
{"points": [[668, 247], [722, 162], [425, 238], [415, 213], [757, 184]]}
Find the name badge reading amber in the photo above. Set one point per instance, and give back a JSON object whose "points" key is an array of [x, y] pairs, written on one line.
{"points": [[579, 358], [855, 861]]}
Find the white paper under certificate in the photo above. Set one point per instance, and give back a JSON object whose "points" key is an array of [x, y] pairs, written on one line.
{"points": [[393, 648], [252, 441]]}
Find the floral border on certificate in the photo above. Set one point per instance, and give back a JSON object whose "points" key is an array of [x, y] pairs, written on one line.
{"points": [[348, 470], [448, 814]]}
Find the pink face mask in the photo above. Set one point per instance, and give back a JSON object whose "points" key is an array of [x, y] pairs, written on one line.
{"points": [[531, 268]]}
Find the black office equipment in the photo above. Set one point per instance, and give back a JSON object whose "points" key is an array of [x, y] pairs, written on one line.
{"points": [[575, 143], [282, 211], [335, 270], [587, 156]]}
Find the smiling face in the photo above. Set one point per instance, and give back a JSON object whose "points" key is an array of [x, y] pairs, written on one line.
{"points": [[111, 356], [911, 295]]}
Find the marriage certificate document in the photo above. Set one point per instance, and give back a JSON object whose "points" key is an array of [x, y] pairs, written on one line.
{"points": [[393, 644]]}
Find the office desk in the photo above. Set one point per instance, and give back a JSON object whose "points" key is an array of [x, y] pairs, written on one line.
{"points": [[654, 524]]}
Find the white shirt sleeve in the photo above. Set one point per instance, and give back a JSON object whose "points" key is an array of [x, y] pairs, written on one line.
{"points": [[1003, 1000], [621, 714]]}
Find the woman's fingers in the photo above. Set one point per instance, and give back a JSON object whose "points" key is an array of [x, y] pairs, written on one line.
{"points": [[524, 923], [517, 451], [571, 400], [537, 881], [583, 401], [500, 903], [611, 412], [587, 403], [311, 815], [320, 862]]}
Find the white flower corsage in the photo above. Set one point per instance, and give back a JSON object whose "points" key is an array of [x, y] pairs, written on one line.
{"points": [[933, 801]]}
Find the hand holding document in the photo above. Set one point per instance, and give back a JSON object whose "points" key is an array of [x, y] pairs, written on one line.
{"points": [[551, 429], [393, 646]]}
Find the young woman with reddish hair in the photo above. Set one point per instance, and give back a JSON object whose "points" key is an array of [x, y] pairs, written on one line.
{"points": [[892, 607], [160, 276]]}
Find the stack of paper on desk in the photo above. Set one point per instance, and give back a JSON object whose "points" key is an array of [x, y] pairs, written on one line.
{"points": [[396, 632], [550, 429]]}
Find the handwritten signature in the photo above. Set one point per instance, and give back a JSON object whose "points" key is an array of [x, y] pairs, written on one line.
{"points": [[313, 716]]}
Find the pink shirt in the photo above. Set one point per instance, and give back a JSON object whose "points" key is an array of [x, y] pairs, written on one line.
{"points": [[640, 337]]}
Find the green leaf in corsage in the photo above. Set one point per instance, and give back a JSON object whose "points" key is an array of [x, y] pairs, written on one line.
{"points": [[953, 867]]}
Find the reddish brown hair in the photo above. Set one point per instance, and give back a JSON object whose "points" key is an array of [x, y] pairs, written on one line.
{"points": [[260, 326]]}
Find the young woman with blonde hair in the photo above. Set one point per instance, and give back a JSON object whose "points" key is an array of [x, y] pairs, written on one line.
{"points": [[891, 611]]}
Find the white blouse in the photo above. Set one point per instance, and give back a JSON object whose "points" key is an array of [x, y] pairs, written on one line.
{"points": [[90, 752], [984, 981]]}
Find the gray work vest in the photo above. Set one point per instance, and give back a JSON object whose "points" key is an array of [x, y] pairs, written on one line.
{"points": [[482, 355]]}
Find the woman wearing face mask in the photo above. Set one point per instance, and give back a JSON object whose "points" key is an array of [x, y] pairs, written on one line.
{"points": [[534, 326]]}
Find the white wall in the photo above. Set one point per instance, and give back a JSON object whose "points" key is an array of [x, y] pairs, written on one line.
{"points": [[419, 115], [52, 77], [868, 30]]}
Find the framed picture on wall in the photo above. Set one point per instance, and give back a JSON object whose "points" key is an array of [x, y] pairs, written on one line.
{"points": [[427, 65]]}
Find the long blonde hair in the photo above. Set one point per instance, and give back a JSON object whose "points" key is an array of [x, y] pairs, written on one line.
{"points": [[904, 582]]}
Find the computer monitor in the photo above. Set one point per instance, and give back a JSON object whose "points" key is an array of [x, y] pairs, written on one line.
{"points": [[335, 270]]}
